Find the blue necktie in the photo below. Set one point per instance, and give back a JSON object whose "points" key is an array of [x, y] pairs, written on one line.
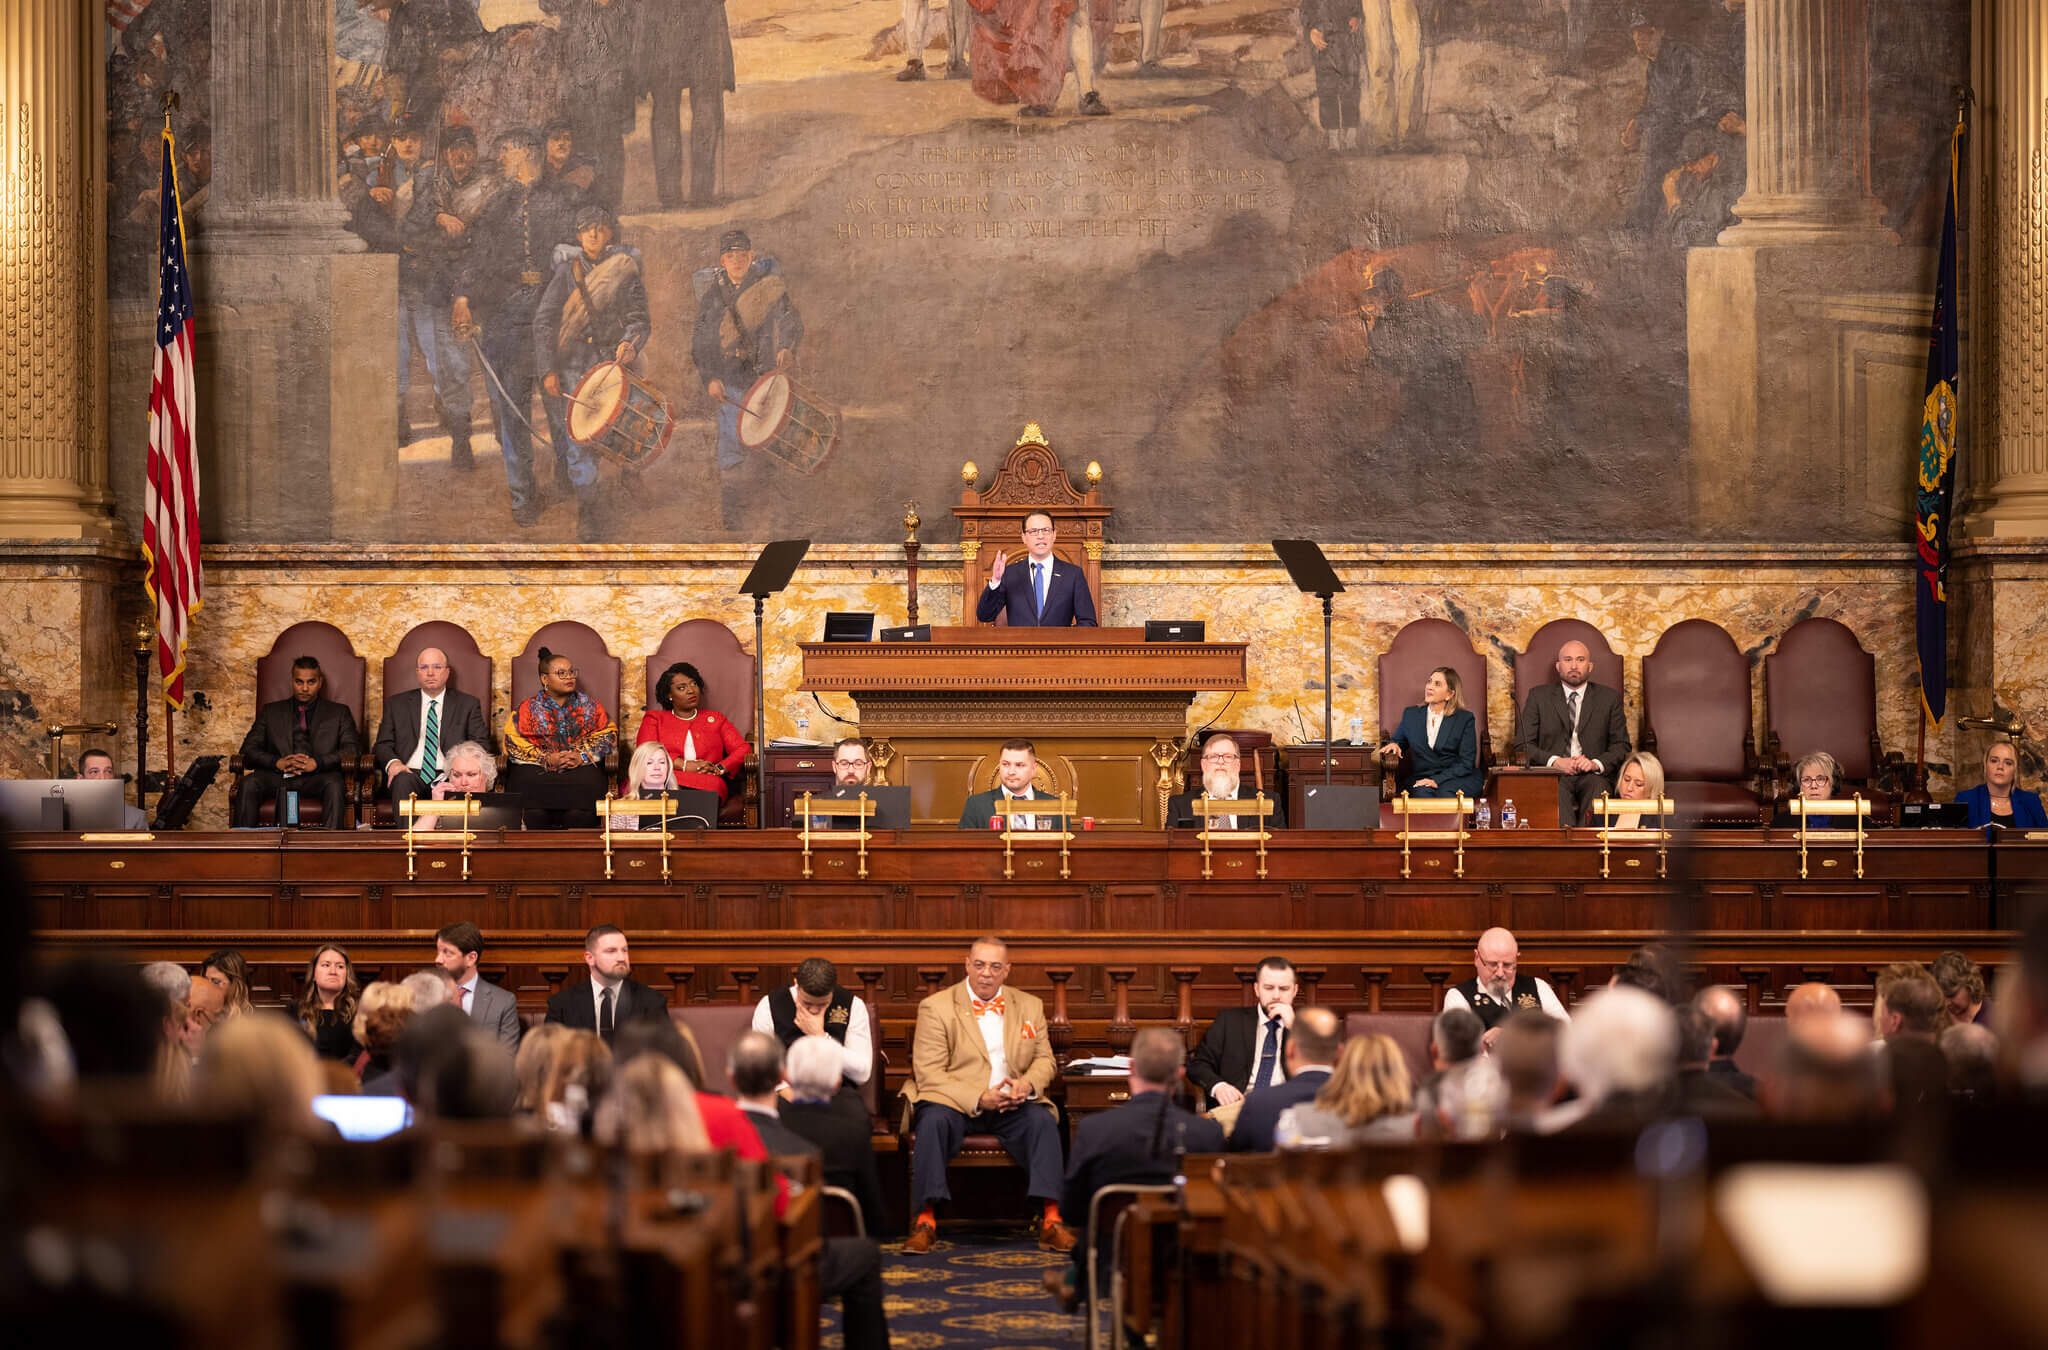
{"points": [[1038, 585], [1271, 1052]]}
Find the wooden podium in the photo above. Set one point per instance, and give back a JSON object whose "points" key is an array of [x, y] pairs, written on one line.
{"points": [[1105, 708]]}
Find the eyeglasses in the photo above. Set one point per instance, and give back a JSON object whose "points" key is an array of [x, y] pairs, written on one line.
{"points": [[1039, 529], [850, 763], [559, 673], [1815, 780], [1498, 967], [1221, 758]]}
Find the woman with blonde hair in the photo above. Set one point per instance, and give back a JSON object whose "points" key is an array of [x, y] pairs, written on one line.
{"points": [[535, 1059], [579, 1073], [653, 1109], [1999, 799], [228, 970], [260, 1066], [1369, 1098], [1439, 739], [381, 1015], [1640, 778]]}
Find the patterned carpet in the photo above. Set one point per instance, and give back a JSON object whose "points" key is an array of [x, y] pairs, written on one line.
{"points": [[977, 1288]]}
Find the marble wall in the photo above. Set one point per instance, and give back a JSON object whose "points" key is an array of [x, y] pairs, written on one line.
{"points": [[70, 653]]}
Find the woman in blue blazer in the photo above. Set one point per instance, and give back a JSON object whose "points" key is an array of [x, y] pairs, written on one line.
{"points": [[1999, 799], [1449, 764]]}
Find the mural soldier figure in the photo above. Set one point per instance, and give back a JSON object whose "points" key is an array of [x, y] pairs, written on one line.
{"points": [[420, 31], [594, 310], [1334, 29], [597, 103], [1675, 101], [917, 19], [747, 325], [500, 288], [434, 241], [684, 44], [571, 173]]}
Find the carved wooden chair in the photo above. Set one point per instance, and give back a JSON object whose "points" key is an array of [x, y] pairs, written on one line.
{"points": [[346, 675], [1536, 665], [1696, 720], [469, 670], [728, 671], [1820, 693], [1030, 479]]}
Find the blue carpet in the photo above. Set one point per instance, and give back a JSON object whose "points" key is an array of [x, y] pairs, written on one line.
{"points": [[975, 1288]]}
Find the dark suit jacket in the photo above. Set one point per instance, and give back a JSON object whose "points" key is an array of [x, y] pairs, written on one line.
{"points": [[1181, 807], [1227, 1049], [1544, 728], [333, 729], [976, 813], [1701, 1092], [1067, 600], [1260, 1115], [1453, 761], [777, 1137], [398, 732], [1725, 1071], [575, 1007], [848, 1150], [1116, 1148]]}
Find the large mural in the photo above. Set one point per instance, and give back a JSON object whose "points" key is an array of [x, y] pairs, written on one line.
{"points": [[670, 271]]}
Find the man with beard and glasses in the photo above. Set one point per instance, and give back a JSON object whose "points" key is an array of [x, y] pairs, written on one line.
{"points": [[1223, 780], [1497, 987]]}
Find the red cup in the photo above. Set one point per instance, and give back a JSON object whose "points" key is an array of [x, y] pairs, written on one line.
{"points": [[995, 822], [1087, 822]]}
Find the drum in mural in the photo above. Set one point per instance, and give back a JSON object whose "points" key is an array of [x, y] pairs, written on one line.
{"points": [[781, 418], [621, 416]]}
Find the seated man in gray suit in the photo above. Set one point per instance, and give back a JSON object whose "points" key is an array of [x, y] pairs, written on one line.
{"points": [[1015, 766], [457, 948], [420, 724], [1575, 725]]}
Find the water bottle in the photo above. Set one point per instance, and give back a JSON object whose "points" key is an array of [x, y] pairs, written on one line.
{"points": [[1485, 814], [291, 807], [1358, 731], [803, 724], [1507, 815]]}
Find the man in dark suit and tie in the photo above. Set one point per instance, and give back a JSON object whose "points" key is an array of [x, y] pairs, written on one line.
{"points": [[611, 997], [1575, 725], [457, 949], [1016, 763], [299, 744], [1042, 591], [1222, 780], [420, 724], [1311, 1054], [1244, 1048]]}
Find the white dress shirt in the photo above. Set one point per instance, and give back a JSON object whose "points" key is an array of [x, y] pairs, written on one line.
{"points": [[1546, 998], [992, 1036], [858, 1051], [438, 702], [1436, 720], [1029, 822]]}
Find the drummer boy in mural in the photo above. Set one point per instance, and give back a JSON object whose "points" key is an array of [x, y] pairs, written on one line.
{"points": [[747, 325], [593, 311]]}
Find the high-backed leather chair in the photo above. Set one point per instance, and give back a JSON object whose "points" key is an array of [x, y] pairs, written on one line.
{"points": [[346, 675], [1418, 649], [1410, 1031], [1536, 665], [728, 671], [1820, 693], [598, 675], [1696, 720], [1254, 746], [469, 670], [715, 1026]]}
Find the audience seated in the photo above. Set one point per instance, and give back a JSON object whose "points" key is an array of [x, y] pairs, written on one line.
{"points": [[1436, 747], [980, 1062], [558, 741], [97, 766], [302, 744], [1244, 1048], [451, 1069], [1811, 999], [1618, 1055], [457, 949], [1818, 776], [1971, 1053], [327, 1005], [172, 1076], [1999, 799], [1223, 780], [204, 1008], [1826, 1074], [1575, 725], [1311, 1053], [431, 987], [1962, 987], [535, 1060], [419, 726], [609, 998], [814, 1066], [1725, 1009], [467, 769], [260, 1067], [725, 1125], [1700, 1092], [814, 1004], [651, 1109], [229, 972], [1649, 969], [1497, 988], [1641, 779], [1906, 1011], [1525, 1053], [1444, 1101], [1016, 764], [1368, 1099], [579, 1071], [707, 750], [381, 1016]]}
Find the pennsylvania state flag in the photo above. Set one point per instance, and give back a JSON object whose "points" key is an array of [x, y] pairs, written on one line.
{"points": [[1938, 466]]}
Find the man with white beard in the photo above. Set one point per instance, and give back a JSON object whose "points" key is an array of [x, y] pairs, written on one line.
{"points": [[1497, 988], [1222, 781]]}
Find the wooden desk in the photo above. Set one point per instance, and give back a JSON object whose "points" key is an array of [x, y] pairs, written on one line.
{"points": [[1096, 701]]}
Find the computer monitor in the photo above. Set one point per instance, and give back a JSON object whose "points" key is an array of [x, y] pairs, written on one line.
{"points": [[695, 809], [892, 807], [81, 804], [1174, 630], [921, 632], [1934, 816], [842, 626], [1339, 806]]}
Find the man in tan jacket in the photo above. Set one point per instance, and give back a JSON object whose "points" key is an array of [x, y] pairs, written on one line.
{"points": [[979, 1064]]}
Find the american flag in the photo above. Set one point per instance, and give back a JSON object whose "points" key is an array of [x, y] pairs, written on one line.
{"points": [[170, 520], [121, 13]]}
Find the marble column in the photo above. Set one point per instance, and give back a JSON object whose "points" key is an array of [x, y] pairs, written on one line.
{"points": [[2008, 443], [1809, 127], [53, 427], [274, 143]]}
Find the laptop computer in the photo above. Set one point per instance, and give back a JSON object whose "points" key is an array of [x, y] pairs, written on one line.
{"points": [[843, 626], [83, 804], [1174, 630], [892, 807], [695, 809], [1339, 806]]}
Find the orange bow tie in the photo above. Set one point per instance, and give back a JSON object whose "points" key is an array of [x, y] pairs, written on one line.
{"points": [[993, 1005]]}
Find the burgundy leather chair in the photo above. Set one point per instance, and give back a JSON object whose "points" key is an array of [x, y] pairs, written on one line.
{"points": [[346, 675], [599, 676], [728, 671], [1410, 1031], [1696, 720], [1820, 693], [715, 1026], [1252, 745], [1536, 665], [469, 670], [1418, 649]]}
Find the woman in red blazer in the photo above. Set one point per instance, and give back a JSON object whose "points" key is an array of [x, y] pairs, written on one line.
{"points": [[708, 751]]}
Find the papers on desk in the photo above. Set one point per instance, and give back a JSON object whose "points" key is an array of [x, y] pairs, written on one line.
{"points": [[794, 743], [1100, 1064]]}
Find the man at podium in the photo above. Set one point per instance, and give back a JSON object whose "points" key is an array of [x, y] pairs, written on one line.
{"points": [[1041, 591]]}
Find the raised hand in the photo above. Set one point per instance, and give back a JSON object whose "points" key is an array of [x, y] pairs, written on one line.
{"points": [[995, 568]]}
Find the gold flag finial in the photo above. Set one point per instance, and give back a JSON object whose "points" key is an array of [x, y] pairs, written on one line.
{"points": [[1032, 435]]}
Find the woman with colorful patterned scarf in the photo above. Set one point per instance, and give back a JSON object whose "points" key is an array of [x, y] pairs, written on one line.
{"points": [[558, 742]]}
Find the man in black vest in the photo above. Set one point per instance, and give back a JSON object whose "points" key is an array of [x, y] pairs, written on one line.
{"points": [[815, 1005], [1497, 986]]}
